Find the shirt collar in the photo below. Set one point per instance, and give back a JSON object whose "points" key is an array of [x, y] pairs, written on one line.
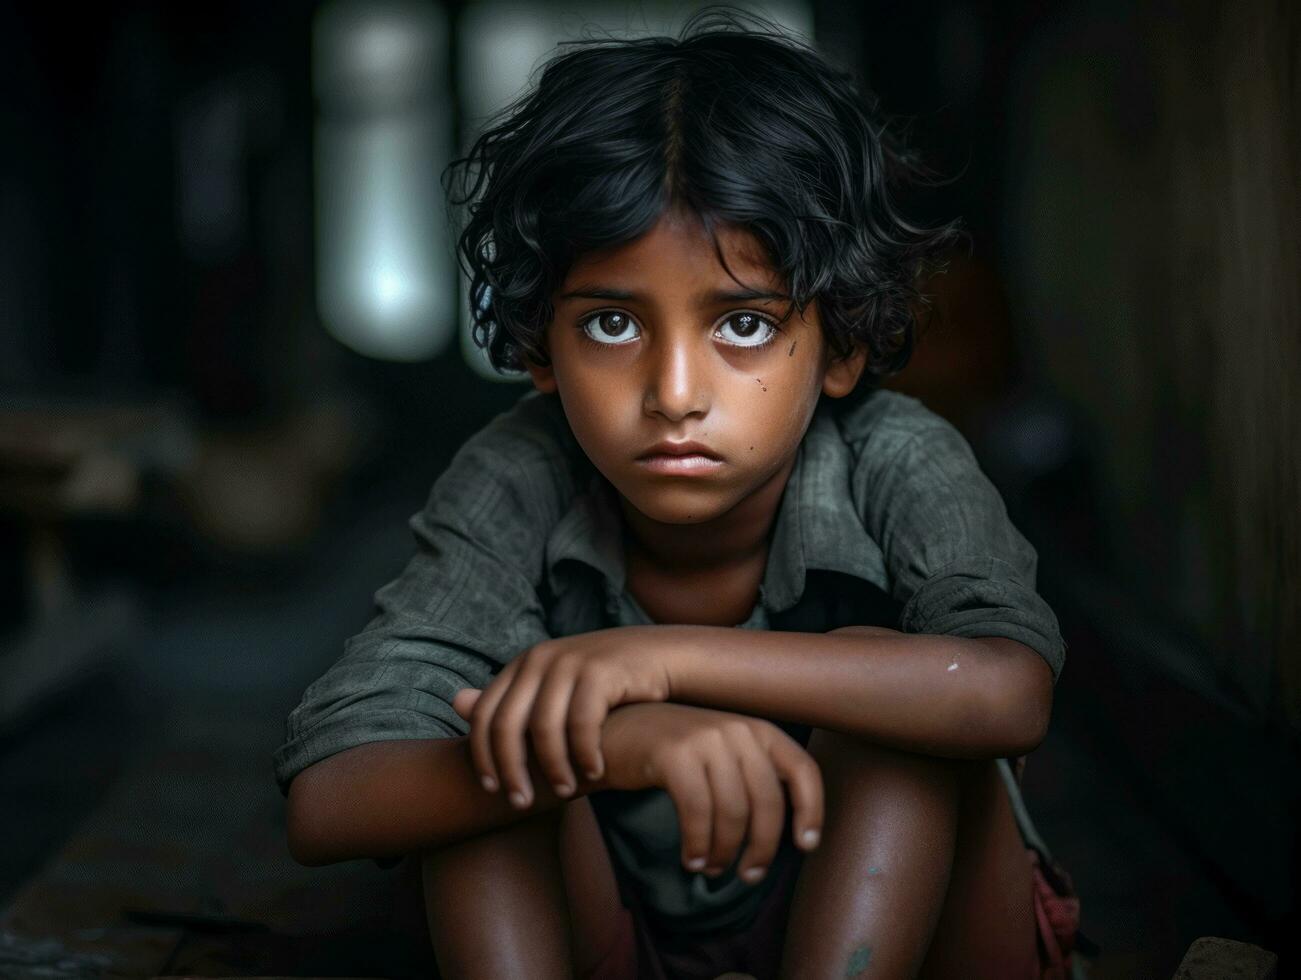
{"points": [[591, 532], [817, 525]]}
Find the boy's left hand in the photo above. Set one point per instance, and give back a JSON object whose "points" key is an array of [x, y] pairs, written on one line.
{"points": [[559, 692]]}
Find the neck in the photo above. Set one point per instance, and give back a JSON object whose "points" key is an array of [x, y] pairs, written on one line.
{"points": [[736, 537]]}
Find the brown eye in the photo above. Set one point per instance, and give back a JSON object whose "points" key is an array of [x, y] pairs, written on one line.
{"points": [[747, 329], [612, 324], [609, 327]]}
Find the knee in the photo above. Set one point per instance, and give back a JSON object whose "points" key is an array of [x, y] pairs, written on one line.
{"points": [[849, 763], [839, 747], [498, 851]]}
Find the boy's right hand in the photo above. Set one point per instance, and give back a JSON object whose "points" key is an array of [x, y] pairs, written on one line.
{"points": [[724, 773]]}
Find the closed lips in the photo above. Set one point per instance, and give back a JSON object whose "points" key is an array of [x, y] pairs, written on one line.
{"points": [[680, 449]]}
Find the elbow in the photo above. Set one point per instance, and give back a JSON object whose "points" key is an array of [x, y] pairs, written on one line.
{"points": [[1026, 707], [1024, 736], [307, 842], [1013, 704]]}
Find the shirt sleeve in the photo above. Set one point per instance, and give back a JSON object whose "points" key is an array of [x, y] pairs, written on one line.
{"points": [[465, 605], [954, 558]]}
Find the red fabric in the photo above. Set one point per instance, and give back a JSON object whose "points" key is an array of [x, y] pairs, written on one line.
{"points": [[1057, 911]]}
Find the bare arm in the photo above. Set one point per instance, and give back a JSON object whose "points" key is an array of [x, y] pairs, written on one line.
{"points": [[939, 695], [388, 798]]}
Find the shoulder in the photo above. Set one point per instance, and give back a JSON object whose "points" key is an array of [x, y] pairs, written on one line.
{"points": [[894, 438], [521, 469], [919, 487], [887, 418], [953, 555], [532, 431]]}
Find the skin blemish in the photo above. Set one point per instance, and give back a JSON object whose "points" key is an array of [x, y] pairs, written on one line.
{"points": [[954, 665], [791, 352], [858, 961], [761, 384]]}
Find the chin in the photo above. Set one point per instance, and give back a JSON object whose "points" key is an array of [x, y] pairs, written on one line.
{"points": [[676, 505]]}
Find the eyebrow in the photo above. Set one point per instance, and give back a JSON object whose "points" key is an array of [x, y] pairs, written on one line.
{"points": [[718, 296]]}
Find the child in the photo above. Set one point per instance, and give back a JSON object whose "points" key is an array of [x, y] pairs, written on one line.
{"points": [[691, 247]]}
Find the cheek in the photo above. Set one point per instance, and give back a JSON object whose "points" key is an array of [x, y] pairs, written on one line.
{"points": [[773, 408], [597, 408], [799, 385]]}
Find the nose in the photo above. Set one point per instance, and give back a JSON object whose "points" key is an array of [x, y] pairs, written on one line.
{"points": [[677, 384]]}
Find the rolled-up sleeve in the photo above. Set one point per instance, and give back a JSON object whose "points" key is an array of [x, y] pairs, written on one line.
{"points": [[955, 559], [465, 604]]}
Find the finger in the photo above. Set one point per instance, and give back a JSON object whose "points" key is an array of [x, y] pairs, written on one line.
{"points": [[803, 780], [485, 708], [547, 727], [587, 713], [464, 700], [506, 736], [688, 787], [731, 808], [767, 811]]}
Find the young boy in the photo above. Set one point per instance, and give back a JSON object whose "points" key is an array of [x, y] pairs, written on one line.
{"points": [[690, 246]]}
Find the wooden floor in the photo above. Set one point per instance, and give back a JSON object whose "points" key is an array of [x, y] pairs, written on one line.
{"points": [[182, 869]]}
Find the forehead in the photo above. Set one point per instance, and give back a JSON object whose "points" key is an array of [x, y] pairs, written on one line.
{"points": [[679, 249]]}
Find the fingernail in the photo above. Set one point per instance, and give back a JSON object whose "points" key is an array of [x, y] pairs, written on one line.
{"points": [[810, 838], [489, 784], [518, 799], [594, 773], [753, 874], [695, 864], [563, 789]]}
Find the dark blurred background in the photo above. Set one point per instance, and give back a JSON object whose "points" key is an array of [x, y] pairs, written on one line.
{"points": [[233, 360]]}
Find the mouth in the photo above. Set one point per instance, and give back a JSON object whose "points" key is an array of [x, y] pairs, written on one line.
{"points": [[680, 458], [688, 448]]}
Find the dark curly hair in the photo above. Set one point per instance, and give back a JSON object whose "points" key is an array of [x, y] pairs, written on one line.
{"points": [[735, 120]]}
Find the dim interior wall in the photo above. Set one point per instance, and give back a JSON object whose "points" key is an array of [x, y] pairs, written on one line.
{"points": [[1152, 235], [1237, 284]]}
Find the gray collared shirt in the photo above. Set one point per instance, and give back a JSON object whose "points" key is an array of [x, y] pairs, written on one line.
{"points": [[886, 520]]}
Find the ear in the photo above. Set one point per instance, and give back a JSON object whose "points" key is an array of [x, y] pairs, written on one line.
{"points": [[544, 376], [843, 373]]}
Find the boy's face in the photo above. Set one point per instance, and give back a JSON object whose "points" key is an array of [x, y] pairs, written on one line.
{"points": [[653, 342]]}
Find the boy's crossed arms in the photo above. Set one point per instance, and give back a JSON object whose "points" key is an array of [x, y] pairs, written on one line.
{"points": [[724, 769], [724, 773]]}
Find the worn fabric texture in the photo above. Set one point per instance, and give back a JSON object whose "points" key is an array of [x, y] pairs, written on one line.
{"points": [[886, 520]]}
